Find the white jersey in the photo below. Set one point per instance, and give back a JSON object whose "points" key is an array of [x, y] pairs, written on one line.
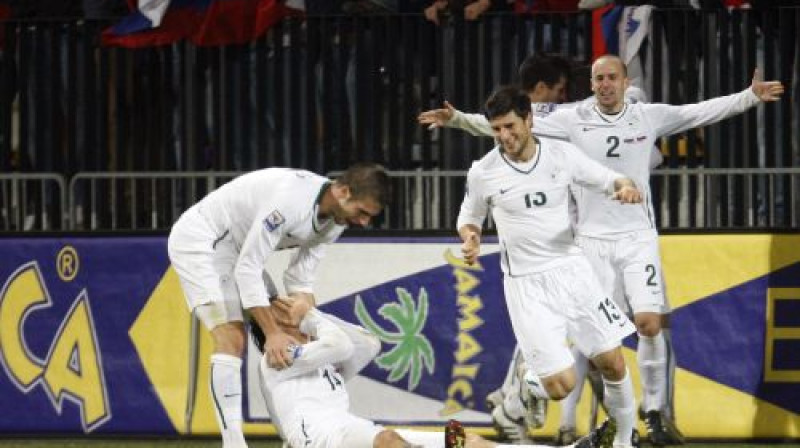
{"points": [[311, 386], [265, 211], [478, 124], [624, 142], [310, 395], [530, 206]]}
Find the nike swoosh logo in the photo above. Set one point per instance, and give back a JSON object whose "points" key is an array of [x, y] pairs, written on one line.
{"points": [[504, 191], [231, 395]]}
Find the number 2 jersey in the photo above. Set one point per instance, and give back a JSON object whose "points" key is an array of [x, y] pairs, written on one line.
{"points": [[624, 142]]}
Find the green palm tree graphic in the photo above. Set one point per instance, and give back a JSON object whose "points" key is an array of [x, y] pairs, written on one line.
{"points": [[412, 350]]}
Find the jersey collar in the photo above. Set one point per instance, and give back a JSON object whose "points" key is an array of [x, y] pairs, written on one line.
{"points": [[536, 157], [609, 118], [316, 224]]}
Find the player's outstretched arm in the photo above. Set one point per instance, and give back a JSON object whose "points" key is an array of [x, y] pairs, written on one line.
{"points": [[667, 119], [450, 117], [437, 118], [766, 91]]}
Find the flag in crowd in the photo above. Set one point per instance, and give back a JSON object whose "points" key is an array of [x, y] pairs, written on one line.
{"points": [[203, 22]]}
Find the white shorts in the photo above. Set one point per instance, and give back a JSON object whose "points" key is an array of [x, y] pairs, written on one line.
{"points": [[629, 269], [344, 430], [563, 304], [204, 262]]}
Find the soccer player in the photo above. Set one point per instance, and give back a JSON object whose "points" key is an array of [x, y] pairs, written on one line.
{"points": [[544, 79], [622, 243], [219, 246], [551, 292], [308, 401]]}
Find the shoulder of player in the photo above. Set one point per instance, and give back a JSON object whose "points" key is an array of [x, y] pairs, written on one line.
{"points": [[557, 148], [488, 160], [554, 144], [295, 191]]}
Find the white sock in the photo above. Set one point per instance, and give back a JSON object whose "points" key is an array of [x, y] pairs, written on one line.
{"points": [[621, 406], [652, 358], [513, 406], [421, 438], [671, 365], [226, 393], [513, 403], [569, 404], [510, 384]]}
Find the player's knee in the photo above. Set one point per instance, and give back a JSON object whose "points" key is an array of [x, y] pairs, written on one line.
{"points": [[559, 386], [388, 439], [611, 364], [229, 338], [647, 324]]}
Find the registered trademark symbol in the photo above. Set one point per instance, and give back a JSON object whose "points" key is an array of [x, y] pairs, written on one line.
{"points": [[67, 263]]}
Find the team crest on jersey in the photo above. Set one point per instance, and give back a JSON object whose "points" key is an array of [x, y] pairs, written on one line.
{"points": [[274, 220]]}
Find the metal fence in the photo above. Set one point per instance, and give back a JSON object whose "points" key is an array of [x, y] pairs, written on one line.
{"points": [[323, 92], [134, 201], [33, 202], [684, 199]]}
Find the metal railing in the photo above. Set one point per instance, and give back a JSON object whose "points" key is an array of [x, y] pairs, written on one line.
{"points": [[684, 199], [137, 200], [720, 198], [324, 91], [33, 201]]}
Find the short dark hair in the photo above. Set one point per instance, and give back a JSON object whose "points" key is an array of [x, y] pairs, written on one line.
{"points": [[548, 69], [506, 99], [367, 179]]}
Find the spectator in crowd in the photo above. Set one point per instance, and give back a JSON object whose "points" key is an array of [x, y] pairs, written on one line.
{"points": [[470, 10]]}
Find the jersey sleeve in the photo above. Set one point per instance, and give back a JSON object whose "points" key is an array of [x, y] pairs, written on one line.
{"points": [[656, 158], [260, 242], [589, 173], [555, 125], [329, 345], [475, 124], [667, 119], [474, 207], [299, 276], [366, 347]]}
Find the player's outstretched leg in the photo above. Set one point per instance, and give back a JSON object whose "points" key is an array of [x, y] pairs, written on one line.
{"points": [[510, 383]]}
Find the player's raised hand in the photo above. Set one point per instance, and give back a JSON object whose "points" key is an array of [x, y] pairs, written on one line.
{"points": [[766, 90], [437, 118], [471, 248]]}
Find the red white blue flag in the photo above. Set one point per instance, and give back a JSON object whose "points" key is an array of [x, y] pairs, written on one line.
{"points": [[204, 22]]}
